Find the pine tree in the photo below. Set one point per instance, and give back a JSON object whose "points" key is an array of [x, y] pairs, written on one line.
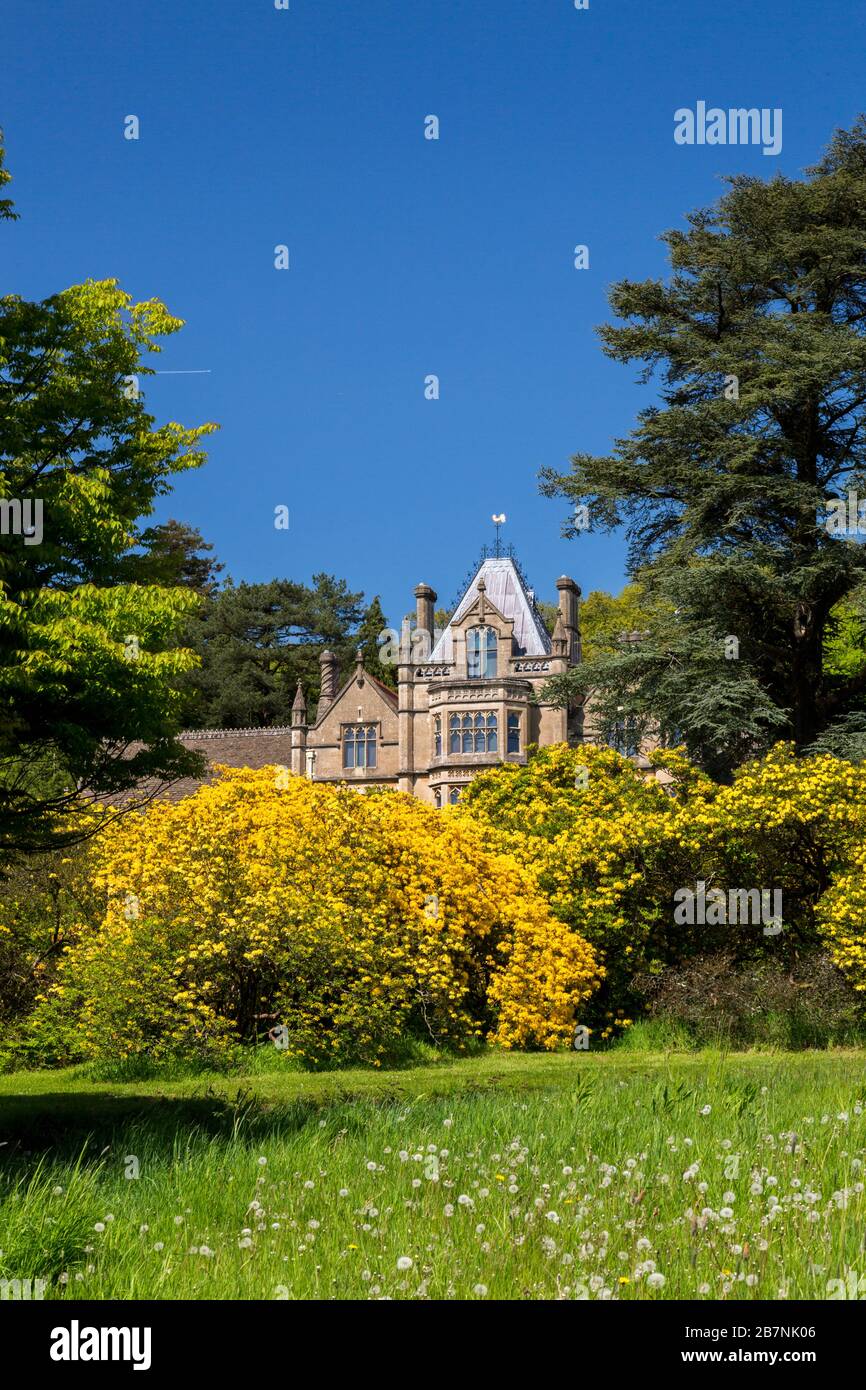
{"points": [[256, 641], [173, 554], [374, 623]]}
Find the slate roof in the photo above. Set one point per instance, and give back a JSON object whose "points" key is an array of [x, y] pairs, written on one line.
{"points": [[506, 591]]}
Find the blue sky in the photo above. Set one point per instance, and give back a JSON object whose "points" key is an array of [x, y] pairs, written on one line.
{"points": [[408, 256]]}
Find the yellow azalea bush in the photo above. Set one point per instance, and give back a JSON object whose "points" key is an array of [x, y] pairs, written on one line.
{"points": [[351, 920], [611, 846], [605, 845]]}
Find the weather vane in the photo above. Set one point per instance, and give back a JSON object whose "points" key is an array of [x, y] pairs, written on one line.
{"points": [[498, 520]]}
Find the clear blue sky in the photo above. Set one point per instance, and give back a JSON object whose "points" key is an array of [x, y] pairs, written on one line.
{"points": [[408, 256]]}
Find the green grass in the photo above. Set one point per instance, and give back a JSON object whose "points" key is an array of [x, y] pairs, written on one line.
{"points": [[573, 1166]]}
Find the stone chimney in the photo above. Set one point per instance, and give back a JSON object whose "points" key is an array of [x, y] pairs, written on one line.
{"points": [[425, 598], [569, 593], [330, 677]]}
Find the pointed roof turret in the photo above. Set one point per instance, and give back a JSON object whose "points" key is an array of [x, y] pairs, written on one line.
{"points": [[560, 636], [299, 706], [500, 584]]}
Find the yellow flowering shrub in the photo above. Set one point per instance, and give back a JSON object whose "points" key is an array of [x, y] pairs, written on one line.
{"points": [[611, 847], [350, 919], [604, 844]]}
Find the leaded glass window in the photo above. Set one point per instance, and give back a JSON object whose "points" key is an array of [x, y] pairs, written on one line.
{"points": [[514, 733], [359, 745], [482, 644]]}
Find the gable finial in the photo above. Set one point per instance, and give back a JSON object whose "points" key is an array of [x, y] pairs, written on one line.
{"points": [[498, 520]]}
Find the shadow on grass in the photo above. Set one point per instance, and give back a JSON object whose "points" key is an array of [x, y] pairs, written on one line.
{"points": [[67, 1123]]}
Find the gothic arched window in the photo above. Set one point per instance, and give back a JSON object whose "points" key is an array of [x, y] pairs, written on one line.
{"points": [[473, 733], [437, 736], [454, 795], [481, 651]]}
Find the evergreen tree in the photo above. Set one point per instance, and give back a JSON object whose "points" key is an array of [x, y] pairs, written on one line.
{"points": [[256, 641], [173, 554], [728, 485], [373, 624]]}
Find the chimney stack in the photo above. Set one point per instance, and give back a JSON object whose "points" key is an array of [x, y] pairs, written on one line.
{"points": [[425, 597], [569, 593], [328, 688]]}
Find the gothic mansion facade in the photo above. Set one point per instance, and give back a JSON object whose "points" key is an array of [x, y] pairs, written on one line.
{"points": [[469, 700]]}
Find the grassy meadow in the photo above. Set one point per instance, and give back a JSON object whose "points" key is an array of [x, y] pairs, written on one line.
{"points": [[618, 1175]]}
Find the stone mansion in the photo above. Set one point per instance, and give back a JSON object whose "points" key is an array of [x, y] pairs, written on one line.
{"points": [[466, 699]]}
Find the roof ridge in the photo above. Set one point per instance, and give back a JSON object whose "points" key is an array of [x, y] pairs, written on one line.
{"points": [[247, 729]]}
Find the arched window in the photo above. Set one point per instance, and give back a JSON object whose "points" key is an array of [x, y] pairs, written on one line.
{"points": [[359, 745], [454, 734], [513, 733], [437, 736], [473, 733], [481, 651], [454, 796], [437, 798]]}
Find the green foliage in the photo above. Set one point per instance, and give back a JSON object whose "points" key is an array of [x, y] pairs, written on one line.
{"points": [[7, 209], [256, 641], [367, 639], [714, 1000], [87, 665], [173, 555], [41, 898], [724, 494], [612, 847], [608, 621]]}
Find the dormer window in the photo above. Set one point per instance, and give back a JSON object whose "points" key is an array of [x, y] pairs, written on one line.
{"points": [[359, 745], [481, 651]]}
